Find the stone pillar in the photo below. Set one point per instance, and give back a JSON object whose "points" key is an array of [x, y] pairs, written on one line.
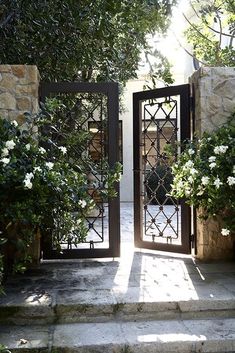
{"points": [[18, 95], [18, 91], [214, 89]]}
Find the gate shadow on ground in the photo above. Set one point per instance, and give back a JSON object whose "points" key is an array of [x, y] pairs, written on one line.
{"points": [[156, 278]]}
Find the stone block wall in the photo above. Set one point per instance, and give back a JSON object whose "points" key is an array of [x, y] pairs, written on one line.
{"points": [[214, 91], [18, 91]]}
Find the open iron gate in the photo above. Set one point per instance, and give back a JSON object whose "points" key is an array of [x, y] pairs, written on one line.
{"points": [[161, 119], [99, 105]]}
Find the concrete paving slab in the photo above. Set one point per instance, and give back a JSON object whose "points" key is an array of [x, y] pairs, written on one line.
{"points": [[84, 306], [25, 307], [150, 336], [25, 339]]}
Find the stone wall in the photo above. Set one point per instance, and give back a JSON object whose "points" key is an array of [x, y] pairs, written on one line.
{"points": [[18, 91], [214, 90], [214, 96]]}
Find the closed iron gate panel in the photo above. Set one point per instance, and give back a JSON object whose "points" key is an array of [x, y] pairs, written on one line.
{"points": [[101, 120]]}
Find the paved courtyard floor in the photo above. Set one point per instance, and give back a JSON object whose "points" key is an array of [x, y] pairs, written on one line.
{"points": [[160, 301], [139, 275]]}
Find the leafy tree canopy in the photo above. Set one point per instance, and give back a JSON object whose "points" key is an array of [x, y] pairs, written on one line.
{"points": [[88, 40], [212, 34]]}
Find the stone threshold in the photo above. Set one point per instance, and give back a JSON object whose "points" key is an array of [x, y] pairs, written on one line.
{"points": [[183, 336], [102, 306]]}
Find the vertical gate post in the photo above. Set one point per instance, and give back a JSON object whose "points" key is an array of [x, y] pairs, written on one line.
{"points": [[113, 136], [137, 168]]}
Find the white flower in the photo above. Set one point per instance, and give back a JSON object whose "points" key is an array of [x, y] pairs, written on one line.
{"points": [[191, 151], [212, 159], [189, 164], [190, 179], [217, 183], [234, 169], [49, 165], [28, 146], [217, 150], [5, 152], [180, 185], [63, 149], [14, 122], [223, 149], [29, 176], [205, 180], [37, 169], [200, 192], [225, 232], [5, 161], [118, 176], [220, 149], [187, 191], [82, 203], [212, 165], [10, 144], [27, 180], [42, 150], [28, 184], [193, 171], [231, 180]]}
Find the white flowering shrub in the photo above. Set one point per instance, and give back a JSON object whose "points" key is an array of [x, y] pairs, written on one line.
{"points": [[36, 190], [205, 175], [41, 186]]}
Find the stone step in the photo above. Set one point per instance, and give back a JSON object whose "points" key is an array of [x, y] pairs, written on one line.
{"points": [[162, 336], [74, 306]]}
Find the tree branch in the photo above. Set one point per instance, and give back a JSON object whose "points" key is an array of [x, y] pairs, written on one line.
{"points": [[194, 10], [231, 40], [209, 27], [195, 28], [188, 52], [220, 31]]}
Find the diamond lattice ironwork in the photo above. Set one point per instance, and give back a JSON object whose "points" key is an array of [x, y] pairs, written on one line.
{"points": [[159, 128], [91, 109], [88, 112]]}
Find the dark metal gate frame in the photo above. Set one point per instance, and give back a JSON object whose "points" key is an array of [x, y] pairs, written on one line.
{"points": [[184, 92], [110, 89]]}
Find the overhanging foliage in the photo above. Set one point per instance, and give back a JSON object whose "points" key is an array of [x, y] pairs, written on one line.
{"points": [[80, 40]]}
